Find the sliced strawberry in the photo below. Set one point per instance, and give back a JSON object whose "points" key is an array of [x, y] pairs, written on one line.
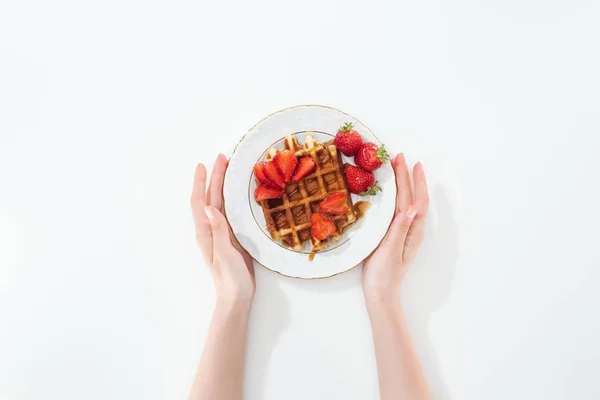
{"points": [[266, 192], [322, 227], [274, 175], [259, 173], [335, 203], [286, 161], [306, 165]]}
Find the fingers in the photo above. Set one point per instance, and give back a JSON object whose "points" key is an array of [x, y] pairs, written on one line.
{"points": [[401, 226], [404, 196], [215, 189], [220, 229], [414, 239], [199, 190], [417, 229], [421, 193], [198, 202]]}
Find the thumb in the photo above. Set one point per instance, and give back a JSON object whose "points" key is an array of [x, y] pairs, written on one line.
{"points": [[220, 228]]}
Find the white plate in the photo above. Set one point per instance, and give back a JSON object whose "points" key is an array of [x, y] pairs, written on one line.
{"points": [[246, 217]]}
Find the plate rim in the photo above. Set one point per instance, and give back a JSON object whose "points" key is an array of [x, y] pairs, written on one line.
{"points": [[227, 170]]}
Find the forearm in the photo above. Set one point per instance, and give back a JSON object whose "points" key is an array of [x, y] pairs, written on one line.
{"points": [[401, 374], [221, 370]]}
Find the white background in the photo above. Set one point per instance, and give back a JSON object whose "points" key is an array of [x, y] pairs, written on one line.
{"points": [[106, 107]]}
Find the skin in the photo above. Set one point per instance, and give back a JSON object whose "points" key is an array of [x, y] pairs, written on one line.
{"points": [[401, 375], [220, 373], [221, 369]]}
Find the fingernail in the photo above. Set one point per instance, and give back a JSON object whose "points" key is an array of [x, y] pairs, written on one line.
{"points": [[411, 212], [209, 213], [418, 171]]}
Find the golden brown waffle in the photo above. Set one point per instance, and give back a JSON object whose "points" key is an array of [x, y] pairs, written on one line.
{"points": [[288, 218]]}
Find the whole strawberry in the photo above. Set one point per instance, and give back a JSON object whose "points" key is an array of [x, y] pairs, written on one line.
{"points": [[347, 140], [361, 182], [370, 157]]}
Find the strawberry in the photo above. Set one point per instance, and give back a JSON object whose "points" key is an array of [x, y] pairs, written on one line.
{"points": [[335, 203], [360, 181], [322, 227], [370, 157], [286, 161], [306, 165], [266, 192], [273, 174], [259, 173], [347, 140]]}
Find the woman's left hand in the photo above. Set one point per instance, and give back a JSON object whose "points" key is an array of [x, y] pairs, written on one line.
{"points": [[230, 265]]}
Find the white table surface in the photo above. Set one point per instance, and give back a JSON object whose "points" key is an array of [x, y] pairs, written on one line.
{"points": [[106, 107]]}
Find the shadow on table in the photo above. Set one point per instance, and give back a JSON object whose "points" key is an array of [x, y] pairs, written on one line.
{"points": [[270, 316], [428, 284]]}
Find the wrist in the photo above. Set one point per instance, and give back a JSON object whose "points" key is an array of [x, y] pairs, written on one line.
{"points": [[377, 303], [234, 294], [234, 303]]}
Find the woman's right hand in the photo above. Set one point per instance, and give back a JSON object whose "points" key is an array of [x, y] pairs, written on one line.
{"points": [[385, 268]]}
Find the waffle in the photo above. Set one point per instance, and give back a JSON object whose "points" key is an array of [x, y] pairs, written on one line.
{"points": [[288, 218]]}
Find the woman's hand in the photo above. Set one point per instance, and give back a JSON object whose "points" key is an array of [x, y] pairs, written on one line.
{"points": [[385, 269], [230, 265], [220, 374]]}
